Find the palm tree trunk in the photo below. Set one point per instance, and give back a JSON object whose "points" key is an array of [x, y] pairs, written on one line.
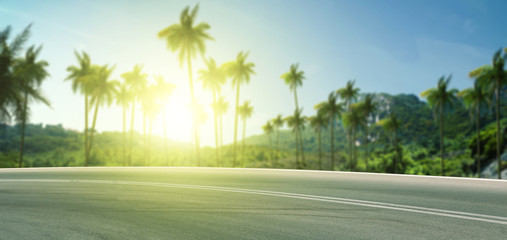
{"points": [[243, 150], [396, 155], [498, 130], [302, 150], [442, 139], [271, 151], [86, 130], [150, 122], [217, 148], [235, 126], [132, 132], [196, 136], [166, 153], [320, 149], [124, 136], [332, 143], [297, 130], [297, 150], [277, 144], [366, 145], [23, 126], [478, 140], [90, 145]]}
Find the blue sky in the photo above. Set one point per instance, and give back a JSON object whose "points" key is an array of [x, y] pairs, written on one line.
{"points": [[387, 46]]}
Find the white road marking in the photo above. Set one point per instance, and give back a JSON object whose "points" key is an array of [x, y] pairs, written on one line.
{"points": [[373, 204]]}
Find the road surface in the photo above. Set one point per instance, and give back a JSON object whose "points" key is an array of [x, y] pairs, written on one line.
{"points": [[214, 203]]}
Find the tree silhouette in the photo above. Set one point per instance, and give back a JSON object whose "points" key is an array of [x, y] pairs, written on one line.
{"points": [[349, 95], [245, 111], [277, 125], [268, 130], [11, 93], [102, 92], [367, 108], [353, 120], [438, 98], [391, 125], [294, 79], [82, 79], [212, 79], [331, 110], [296, 122], [319, 122], [30, 72], [493, 78], [187, 39], [474, 98], [137, 81], [163, 92], [123, 98], [240, 71]]}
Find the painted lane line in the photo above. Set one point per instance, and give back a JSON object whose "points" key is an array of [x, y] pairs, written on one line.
{"points": [[373, 204]]}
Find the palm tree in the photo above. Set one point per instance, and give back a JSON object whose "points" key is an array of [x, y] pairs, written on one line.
{"points": [[11, 97], [200, 119], [30, 72], [349, 95], [268, 129], [245, 111], [212, 79], [277, 125], [296, 122], [163, 92], [220, 108], [294, 79], [391, 125], [102, 93], [438, 98], [123, 99], [82, 78], [187, 39], [493, 78], [240, 71], [331, 110], [151, 109], [136, 81], [368, 107], [474, 98], [319, 122], [353, 120]]}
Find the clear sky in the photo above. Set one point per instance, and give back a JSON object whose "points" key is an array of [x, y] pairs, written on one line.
{"points": [[387, 46]]}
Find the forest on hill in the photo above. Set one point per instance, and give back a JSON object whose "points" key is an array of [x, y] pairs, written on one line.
{"points": [[53, 145]]}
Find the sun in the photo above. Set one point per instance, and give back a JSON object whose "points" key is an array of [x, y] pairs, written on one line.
{"points": [[178, 119]]}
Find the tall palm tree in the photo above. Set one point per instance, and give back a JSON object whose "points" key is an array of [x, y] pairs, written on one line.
{"points": [[331, 109], [368, 107], [220, 108], [187, 39], [297, 123], [268, 128], [11, 97], [294, 79], [277, 125], [245, 111], [212, 79], [438, 98], [163, 92], [30, 72], [391, 125], [240, 71], [319, 122], [137, 81], [349, 95], [493, 77], [353, 120], [200, 117], [82, 78], [102, 92], [474, 98], [123, 98]]}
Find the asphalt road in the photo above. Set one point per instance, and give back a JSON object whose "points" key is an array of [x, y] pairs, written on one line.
{"points": [[208, 203]]}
